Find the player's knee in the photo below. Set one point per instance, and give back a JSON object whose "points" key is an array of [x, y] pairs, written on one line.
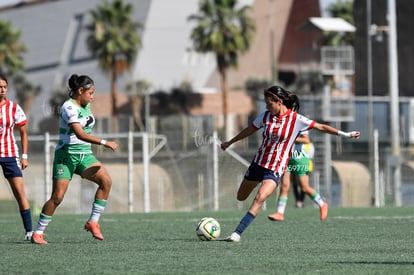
{"points": [[260, 198], [56, 200], [106, 182]]}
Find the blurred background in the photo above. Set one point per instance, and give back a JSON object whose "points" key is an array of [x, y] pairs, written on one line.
{"points": [[174, 78]]}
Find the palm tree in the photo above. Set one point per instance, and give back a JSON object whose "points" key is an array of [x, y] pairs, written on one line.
{"points": [[222, 28], [11, 49], [114, 40], [344, 10]]}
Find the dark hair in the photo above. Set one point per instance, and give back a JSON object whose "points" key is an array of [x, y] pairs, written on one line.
{"points": [[290, 100], [79, 81], [2, 77]]}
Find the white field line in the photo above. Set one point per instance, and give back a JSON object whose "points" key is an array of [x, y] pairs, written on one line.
{"points": [[372, 217]]}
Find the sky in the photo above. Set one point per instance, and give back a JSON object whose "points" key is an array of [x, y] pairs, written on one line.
{"points": [[7, 2]]}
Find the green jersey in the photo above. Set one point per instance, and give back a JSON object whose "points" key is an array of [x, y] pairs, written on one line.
{"points": [[73, 113]]}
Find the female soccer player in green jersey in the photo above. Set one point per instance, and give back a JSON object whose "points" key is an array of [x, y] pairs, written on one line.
{"points": [[298, 167], [73, 155]]}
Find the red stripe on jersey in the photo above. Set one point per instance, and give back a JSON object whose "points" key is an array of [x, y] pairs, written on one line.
{"points": [[286, 138], [279, 135], [8, 147]]}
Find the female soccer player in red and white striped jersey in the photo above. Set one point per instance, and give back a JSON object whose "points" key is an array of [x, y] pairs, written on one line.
{"points": [[281, 126], [11, 115]]}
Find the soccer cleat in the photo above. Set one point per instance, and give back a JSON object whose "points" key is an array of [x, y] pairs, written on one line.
{"points": [[234, 237], [28, 236], [93, 227], [278, 217], [324, 211], [38, 238]]}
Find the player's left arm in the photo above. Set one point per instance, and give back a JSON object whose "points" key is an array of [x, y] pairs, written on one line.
{"points": [[80, 134], [333, 131], [25, 145]]}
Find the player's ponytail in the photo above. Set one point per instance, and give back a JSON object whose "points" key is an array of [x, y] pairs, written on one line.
{"points": [[76, 82], [294, 102], [290, 100]]}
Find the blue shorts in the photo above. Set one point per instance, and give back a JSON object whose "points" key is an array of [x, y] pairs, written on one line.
{"points": [[256, 172], [11, 167]]}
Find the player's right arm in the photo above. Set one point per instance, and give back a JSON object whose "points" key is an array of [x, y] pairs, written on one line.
{"points": [[243, 134]]}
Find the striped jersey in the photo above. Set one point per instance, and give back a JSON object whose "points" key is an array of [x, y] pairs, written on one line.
{"points": [[279, 135], [73, 113], [11, 114]]}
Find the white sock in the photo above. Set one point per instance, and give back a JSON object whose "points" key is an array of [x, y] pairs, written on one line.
{"points": [[97, 210], [42, 223], [317, 199], [281, 204]]}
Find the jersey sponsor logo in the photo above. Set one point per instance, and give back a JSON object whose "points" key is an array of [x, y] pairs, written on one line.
{"points": [[89, 121]]}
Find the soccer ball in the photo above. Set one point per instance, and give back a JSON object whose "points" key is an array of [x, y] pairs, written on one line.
{"points": [[208, 229]]}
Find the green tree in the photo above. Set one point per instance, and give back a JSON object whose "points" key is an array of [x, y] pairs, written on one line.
{"points": [[226, 30], [341, 9], [26, 91], [115, 41], [11, 49]]}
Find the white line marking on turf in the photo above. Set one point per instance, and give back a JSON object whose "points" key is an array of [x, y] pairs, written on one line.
{"points": [[373, 217]]}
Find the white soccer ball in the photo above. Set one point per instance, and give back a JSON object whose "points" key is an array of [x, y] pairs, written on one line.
{"points": [[208, 229]]}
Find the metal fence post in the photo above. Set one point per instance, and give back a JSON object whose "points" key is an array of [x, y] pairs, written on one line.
{"points": [[47, 166], [130, 172], [145, 161]]}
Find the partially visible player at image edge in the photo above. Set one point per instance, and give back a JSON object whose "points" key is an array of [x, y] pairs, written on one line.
{"points": [[11, 114], [73, 155], [282, 125]]}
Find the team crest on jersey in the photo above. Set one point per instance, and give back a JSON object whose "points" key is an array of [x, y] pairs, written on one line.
{"points": [[60, 171], [274, 137]]}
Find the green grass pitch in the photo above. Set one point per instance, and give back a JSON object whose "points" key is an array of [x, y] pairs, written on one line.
{"points": [[350, 241]]}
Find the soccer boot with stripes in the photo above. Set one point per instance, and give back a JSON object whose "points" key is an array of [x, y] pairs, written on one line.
{"points": [[28, 236], [234, 237]]}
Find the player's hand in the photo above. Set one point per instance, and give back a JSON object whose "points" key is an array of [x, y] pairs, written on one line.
{"points": [[355, 134], [24, 163], [225, 145], [111, 144]]}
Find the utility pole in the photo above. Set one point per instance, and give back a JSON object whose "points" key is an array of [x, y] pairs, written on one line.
{"points": [[272, 38], [369, 86], [394, 99]]}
